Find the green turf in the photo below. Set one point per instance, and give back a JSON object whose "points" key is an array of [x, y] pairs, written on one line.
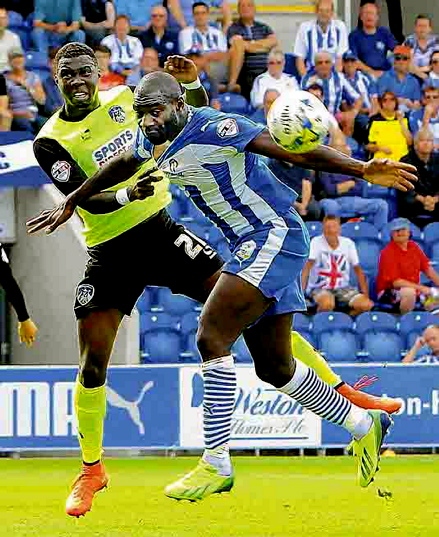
{"points": [[273, 497]]}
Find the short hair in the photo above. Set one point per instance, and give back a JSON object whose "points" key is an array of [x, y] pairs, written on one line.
{"points": [[369, 4], [74, 50], [316, 87], [424, 132], [122, 17], [157, 87], [429, 87], [200, 4], [318, 2], [102, 48], [276, 51], [381, 98], [325, 53], [330, 217], [424, 16]]}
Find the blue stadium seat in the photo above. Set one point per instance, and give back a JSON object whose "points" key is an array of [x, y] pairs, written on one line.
{"points": [[414, 323], [339, 345], [290, 66], [189, 322], [376, 321], [382, 347], [188, 327], [240, 352], [416, 234], [333, 320], [144, 302], [301, 322], [309, 336], [161, 346], [37, 60], [24, 33], [431, 238], [177, 305], [359, 230], [233, 103], [367, 241], [314, 228], [150, 321]]}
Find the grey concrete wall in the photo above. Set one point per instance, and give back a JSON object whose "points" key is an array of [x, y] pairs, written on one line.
{"points": [[48, 268]]}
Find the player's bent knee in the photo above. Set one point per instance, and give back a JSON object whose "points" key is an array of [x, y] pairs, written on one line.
{"points": [[325, 302], [211, 345], [92, 373], [362, 304]]}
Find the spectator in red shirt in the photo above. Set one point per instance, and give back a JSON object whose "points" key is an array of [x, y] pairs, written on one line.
{"points": [[399, 271], [108, 79]]}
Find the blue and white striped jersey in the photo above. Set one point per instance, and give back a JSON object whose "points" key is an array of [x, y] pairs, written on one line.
{"points": [[336, 89], [232, 187]]}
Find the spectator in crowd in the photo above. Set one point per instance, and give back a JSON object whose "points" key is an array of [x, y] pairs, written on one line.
{"points": [[363, 83], [324, 33], [181, 12], [208, 40], [56, 23], [302, 182], [372, 43], [149, 62], [273, 78], [97, 19], [5, 112], [388, 136], [422, 43], [25, 92], [400, 266], [250, 42], [158, 35], [8, 40], [126, 51], [425, 349], [54, 99], [336, 89], [326, 275], [420, 205], [402, 83], [108, 79], [316, 89], [433, 75], [137, 12], [394, 9], [428, 115], [207, 81], [260, 114], [344, 195]]}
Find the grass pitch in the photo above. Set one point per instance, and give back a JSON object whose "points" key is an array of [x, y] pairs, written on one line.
{"points": [[273, 497]]}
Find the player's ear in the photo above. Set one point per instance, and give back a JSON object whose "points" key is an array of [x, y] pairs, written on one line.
{"points": [[181, 103]]}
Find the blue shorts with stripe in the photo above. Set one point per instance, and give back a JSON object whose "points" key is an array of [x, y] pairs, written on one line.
{"points": [[272, 258]]}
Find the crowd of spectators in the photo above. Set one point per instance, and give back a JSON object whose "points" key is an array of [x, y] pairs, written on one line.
{"points": [[381, 89]]}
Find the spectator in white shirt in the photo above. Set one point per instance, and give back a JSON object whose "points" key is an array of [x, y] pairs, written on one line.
{"points": [[324, 33], [126, 51], [326, 275], [274, 78], [425, 350], [8, 40], [208, 40]]}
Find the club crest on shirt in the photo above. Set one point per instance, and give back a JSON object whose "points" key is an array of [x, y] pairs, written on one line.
{"points": [[245, 251], [117, 114], [60, 171], [227, 127], [84, 293], [173, 165]]}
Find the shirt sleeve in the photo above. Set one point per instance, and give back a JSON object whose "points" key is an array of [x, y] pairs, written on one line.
{"points": [[353, 254], [391, 41], [231, 131], [343, 44], [185, 40], [300, 48], [424, 261], [138, 51], [142, 148], [222, 42], [77, 11], [58, 164], [349, 91], [314, 250], [416, 90], [353, 42], [256, 94], [39, 14]]}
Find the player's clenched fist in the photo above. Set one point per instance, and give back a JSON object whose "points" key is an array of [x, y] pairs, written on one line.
{"points": [[144, 188], [181, 68]]}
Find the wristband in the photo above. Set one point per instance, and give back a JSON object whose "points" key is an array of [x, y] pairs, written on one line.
{"points": [[192, 85], [122, 196]]}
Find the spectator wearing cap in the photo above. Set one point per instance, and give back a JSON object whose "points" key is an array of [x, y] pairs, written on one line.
{"points": [[250, 42], [428, 114], [97, 19], [25, 93], [388, 134], [8, 40], [400, 266], [421, 205], [108, 79], [208, 40], [126, 50], [344, 195], [399, 81], [362, 82], [208, 83], [159, 36], [56, 23], [323, 33], [425, 349], [422, 43], [273, 78], [372, 43]]}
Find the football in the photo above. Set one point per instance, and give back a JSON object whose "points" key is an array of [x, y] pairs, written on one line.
{"points": [[298, 121]]}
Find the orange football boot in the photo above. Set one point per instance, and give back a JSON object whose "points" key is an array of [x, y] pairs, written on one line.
{"points": [[365, 400], [91, 480]]}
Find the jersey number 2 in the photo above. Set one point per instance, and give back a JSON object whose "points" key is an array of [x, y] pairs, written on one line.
{"points": [[189, 248]]}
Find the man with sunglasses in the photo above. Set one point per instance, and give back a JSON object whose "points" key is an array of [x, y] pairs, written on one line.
{"points": [[399, 81], [427, 115], [159, 36], [274, 78]]}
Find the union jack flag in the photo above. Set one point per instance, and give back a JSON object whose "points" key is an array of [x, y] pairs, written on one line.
{"points": [[333, 271]]}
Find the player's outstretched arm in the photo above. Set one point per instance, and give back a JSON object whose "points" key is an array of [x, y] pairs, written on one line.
{"points": [[382, 172], [185, 71]]}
